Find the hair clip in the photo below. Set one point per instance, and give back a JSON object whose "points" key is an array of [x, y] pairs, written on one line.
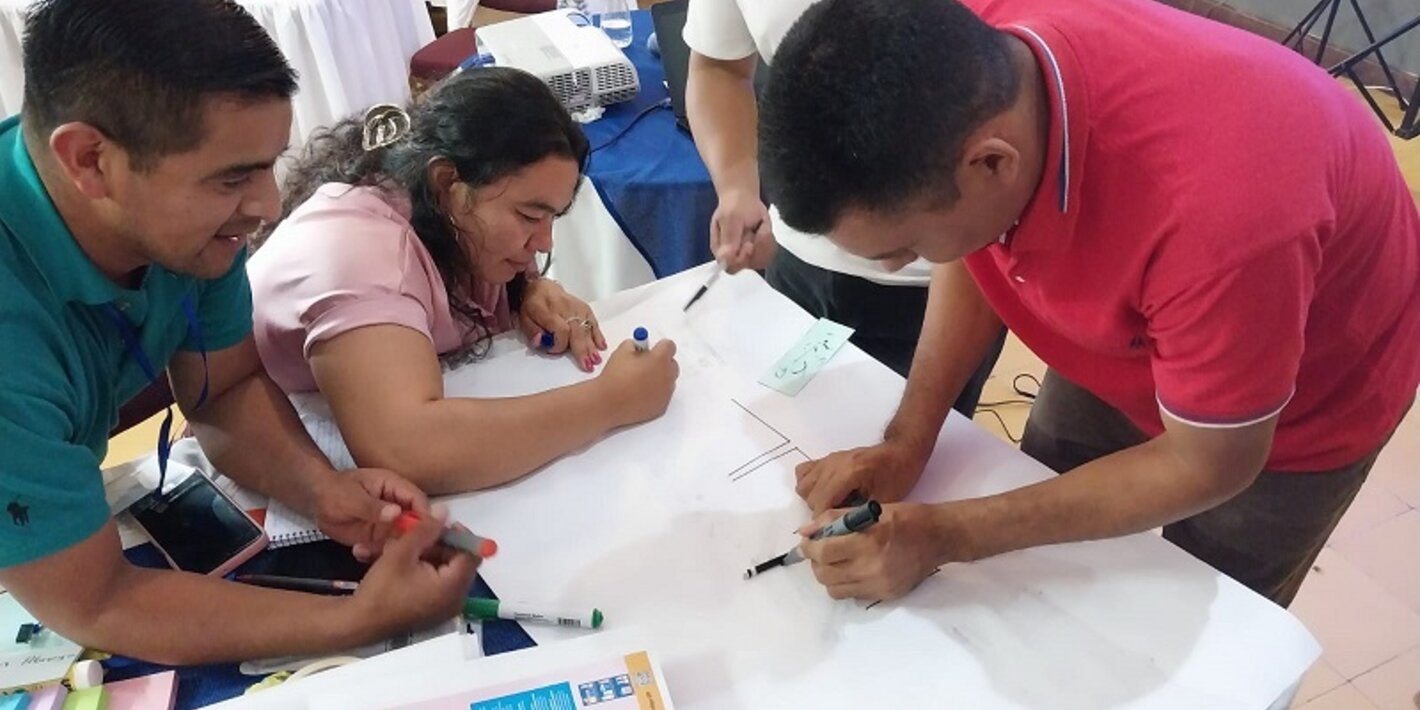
{"points": [[385, 124]]}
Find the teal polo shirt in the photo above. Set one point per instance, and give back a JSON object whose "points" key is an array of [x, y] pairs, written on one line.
{"points": [[64, 366]]}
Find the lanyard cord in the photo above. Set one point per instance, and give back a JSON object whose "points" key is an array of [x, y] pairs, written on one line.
{"points": [[135, 350]]}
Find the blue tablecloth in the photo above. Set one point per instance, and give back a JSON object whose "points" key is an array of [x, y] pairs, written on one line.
{"points": [[204, 685], [651, 178]]}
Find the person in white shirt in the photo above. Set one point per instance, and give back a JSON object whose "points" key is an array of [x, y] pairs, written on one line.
{"points": [[884, 303]]}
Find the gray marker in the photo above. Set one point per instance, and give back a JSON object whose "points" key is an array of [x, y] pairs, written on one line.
{"points": [[859, 518]]}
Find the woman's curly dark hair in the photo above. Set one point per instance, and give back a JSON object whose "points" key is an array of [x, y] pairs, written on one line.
{"points": [[488, 122]]}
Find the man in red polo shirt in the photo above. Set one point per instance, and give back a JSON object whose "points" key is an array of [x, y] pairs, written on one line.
{"points": [[1204, 236]]}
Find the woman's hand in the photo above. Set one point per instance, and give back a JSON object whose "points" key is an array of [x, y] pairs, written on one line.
{"points": [[548, 309]]}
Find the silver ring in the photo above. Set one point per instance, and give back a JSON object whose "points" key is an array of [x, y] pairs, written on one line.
{"points": [[583, 322]]}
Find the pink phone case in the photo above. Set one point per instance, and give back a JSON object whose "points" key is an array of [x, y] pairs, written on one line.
{"points": [[234, 561]]}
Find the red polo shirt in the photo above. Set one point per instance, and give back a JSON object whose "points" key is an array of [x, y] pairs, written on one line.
{"points": [[1221, 233]]}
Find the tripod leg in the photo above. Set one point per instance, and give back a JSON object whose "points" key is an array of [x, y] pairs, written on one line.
{"points": [[1326, 33], [1385, 66]]}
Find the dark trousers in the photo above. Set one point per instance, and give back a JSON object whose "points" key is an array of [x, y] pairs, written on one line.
{"points": [[886, 320], [1266, 537]]}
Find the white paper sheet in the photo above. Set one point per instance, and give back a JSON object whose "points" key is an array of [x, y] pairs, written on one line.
{"points": [[437, 654], [653, 526]]}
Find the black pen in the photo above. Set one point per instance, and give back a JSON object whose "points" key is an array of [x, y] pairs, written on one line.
{"points": [[300, 584], [719, 269]]}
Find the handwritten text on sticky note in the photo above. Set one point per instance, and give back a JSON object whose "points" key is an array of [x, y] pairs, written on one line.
{"points": [[807, 357]]}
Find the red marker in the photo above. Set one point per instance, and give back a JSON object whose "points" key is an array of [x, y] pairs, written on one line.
{"points": [[454, 537]]}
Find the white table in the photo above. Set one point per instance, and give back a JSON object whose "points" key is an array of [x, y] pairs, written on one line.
{"points": [[12, 74], [655, 523], [350, 54], [591, 256]]}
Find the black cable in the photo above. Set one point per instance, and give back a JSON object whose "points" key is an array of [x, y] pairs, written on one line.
{"points": [[1015, 385], [1002, 422], [1026, 397], [1003, 403], [663, 103]]}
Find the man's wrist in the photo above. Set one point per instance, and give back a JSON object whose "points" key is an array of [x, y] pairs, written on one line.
{"points": [[962, 531], [314, 479], [350, 623], [912, 442], [740, 184]]}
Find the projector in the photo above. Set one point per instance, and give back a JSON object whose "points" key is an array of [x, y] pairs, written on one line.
{"points": [[570, 54]]}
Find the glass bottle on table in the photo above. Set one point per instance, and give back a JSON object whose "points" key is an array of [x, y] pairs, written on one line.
{"points": [[614, 17]]}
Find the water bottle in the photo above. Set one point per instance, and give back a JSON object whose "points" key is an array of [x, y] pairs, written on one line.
{"points": [[615, 21]]}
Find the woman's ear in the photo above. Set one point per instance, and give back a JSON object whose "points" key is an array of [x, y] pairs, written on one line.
{"points": [[444, 179]]}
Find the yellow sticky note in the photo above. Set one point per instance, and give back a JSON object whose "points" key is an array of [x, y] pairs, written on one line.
{"points": [[95, 698]]}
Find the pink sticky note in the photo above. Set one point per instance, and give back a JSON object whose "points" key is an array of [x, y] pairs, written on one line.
{"points": [[149, 692], [51, 698]]}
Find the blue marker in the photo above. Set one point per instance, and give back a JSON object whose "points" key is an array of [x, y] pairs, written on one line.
{"points": [[641, 339], [546, 340]]}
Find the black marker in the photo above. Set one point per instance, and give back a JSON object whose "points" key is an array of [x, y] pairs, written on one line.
{"points": [[855, 520]]}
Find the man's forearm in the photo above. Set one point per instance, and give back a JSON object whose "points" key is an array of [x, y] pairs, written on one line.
{"points": [[721, 108], [152, 614], [251, 433], [1131, 491], [957, 331]]}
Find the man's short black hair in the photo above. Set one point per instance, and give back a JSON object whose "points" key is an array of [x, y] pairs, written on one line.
{"points": [[138, 70], [870, 102]]}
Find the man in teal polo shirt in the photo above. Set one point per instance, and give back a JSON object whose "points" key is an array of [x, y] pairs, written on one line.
{"points": [[142, 158]]}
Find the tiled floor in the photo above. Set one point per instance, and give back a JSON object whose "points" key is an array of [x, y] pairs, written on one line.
{"points": [[1362, 599]]}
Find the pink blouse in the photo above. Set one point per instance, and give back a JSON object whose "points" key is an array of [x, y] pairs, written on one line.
{"points": [[345, 259]]}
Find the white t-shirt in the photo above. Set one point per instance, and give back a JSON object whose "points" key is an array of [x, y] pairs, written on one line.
{"points": [[735, 29]]}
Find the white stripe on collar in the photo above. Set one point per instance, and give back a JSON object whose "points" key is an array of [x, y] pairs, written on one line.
{"points": [[1064, 118]]}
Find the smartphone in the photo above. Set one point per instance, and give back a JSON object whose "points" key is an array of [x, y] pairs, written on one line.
{"points": [[198, 528]]}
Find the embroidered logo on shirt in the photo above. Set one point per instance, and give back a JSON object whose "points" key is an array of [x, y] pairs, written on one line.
{"points": [[19, 514]]}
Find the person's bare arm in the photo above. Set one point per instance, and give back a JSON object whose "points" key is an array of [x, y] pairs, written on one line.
{"points": [[720, 106], [89, 593], [386, 390]]}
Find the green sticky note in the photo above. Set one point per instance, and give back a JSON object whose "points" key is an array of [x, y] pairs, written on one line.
{"points": [[95, 698], [807, 357]]}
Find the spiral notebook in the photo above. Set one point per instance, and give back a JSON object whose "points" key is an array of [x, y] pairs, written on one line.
{"points": [[286, 527]]}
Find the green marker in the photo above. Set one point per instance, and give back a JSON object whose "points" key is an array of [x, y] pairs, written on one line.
{"points": [[479, 608]]}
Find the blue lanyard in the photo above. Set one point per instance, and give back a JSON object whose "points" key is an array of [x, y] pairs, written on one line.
{"points": [[135, 350]]}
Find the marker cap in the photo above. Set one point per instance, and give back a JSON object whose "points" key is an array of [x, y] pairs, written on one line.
{"points": [[479, 608], [452, 536]]}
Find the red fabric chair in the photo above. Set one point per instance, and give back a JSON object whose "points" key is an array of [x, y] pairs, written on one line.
{"points": [[437, 59]]}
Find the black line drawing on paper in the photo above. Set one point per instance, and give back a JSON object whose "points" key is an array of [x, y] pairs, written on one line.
{"points": [[776, 452]]}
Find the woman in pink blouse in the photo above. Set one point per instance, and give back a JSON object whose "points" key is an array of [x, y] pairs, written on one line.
{"points": [[410, 239]]}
